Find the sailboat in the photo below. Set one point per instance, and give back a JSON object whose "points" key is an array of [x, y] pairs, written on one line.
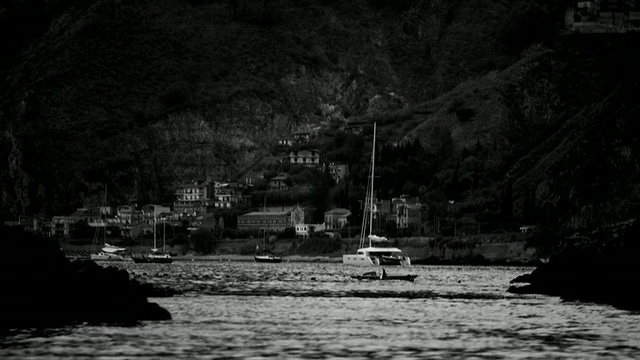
{"points": [[156, 256], [373, 250], [262, 256], [109, 252]]}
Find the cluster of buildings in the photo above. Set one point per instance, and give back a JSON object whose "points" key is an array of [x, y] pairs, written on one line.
{"points": [[189, 209], [603, 16], [194, 199]]}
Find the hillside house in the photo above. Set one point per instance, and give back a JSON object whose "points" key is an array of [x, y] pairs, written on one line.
{"points": [[271, 220], [128, 214], [305, 230], [338, 171], [603, 16], [336, 218], [310, 157], [227, 195], [62, 226], [30, 224], [405, 212], [152, 211], [192, 197], [278, 183], [305, 133], [287, 141]]}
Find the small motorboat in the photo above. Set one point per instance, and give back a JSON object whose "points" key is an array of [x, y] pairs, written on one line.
{"points": [[372, 275]]}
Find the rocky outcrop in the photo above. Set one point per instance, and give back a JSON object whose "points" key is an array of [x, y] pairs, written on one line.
{"points": [[40, 288], [600, 266]]}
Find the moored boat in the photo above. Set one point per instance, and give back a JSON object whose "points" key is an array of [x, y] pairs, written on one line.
{"points": [[108, 252], [156, 256], [375, 276], [267, 258], [368, 254]]}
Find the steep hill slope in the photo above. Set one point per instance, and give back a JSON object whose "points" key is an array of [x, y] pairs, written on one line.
{"points": [[560, 121], [137, 94]]}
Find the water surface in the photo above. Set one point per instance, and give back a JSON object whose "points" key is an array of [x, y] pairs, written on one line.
{"points": [[316, 310]]}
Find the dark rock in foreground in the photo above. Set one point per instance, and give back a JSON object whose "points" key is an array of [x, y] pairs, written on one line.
{"points": [[601, 266], [41, 288]]}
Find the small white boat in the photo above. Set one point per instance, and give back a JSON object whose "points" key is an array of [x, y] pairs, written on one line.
{"points": [[109, 252], [267, 258]]}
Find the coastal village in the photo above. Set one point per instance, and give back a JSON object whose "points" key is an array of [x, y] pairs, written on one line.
{"points": [[196, 202], [603, 16]]}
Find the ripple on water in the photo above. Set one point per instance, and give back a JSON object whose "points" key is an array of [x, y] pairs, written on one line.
{"points": [[298, 310]]}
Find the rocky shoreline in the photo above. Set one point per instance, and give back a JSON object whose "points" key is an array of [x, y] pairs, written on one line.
{"points": [[42, 288], [599, 266]]}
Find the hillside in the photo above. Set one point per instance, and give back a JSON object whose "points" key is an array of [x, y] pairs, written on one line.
{"points": [[138, 94]]}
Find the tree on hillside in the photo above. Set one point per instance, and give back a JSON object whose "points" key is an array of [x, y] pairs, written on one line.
{"points": [[529, 206], [506, 204], [203, 241], [320, 195]]}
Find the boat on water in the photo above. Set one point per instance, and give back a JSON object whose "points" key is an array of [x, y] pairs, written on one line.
{"points": [[267, 258], [372, 275], [373, 250], [156, 256], [108, 252], [262, 256]]}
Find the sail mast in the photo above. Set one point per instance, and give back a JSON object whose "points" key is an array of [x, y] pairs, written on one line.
{"points": [[154, 228], [264, 218], [104, 218], [373, 162]]}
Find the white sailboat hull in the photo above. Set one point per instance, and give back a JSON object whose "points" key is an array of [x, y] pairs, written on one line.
{"points": [[360, 260], [104, 256], [367, 260]]}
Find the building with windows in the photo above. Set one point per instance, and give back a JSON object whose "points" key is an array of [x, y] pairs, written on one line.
{"points": [[405, 212], [128, 214], [192, 197], [227, 195], [306, 230], [310, 157], [152, 211], [336, 218], [271, 220], [278, 183], [62, 226]]}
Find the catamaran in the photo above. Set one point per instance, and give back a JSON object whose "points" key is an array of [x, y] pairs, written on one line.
{"points": [[373, 250]]}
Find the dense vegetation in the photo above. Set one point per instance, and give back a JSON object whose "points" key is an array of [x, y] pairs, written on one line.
{"points": [[488, 104]]}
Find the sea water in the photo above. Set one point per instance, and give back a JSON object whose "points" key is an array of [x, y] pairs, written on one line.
{"points": [[317, 311]]}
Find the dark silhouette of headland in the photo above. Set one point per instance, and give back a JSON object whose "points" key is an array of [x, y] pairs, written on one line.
{"points": [[42, 288]]}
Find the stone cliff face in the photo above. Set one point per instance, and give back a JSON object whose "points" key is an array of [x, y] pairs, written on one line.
{"points": [[136, 95]]}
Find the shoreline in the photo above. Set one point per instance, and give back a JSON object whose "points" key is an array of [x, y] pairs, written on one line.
{"points": [[230, 257], [333, 260]]}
